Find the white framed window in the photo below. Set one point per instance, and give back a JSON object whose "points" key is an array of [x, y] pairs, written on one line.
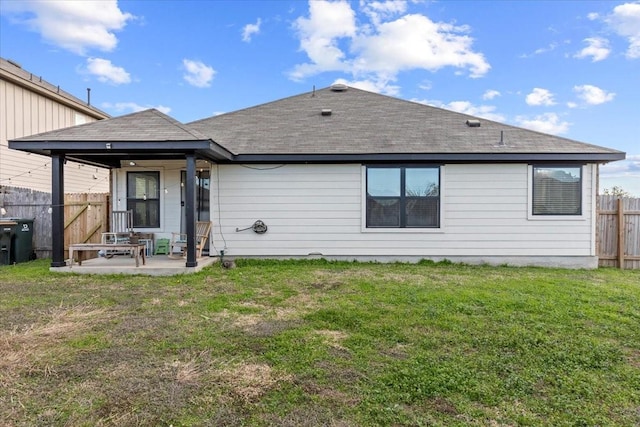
{"points": [[143, 198], [556, 190]]}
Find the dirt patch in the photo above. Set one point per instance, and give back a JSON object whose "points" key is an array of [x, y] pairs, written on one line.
{"points": [[23, 349], [251, 380], [333, 339], [309, 417], [443, 405]]}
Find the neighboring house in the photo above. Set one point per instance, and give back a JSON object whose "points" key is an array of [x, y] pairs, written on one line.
{"points": [[29, 105], [342, 173]]}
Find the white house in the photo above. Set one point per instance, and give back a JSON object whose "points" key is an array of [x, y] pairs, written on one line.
{"points": [[342, 173]]}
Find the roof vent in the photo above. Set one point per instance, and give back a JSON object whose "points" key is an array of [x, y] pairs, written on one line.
{"points": [[326, 111], [473, 123], [339, 87]]}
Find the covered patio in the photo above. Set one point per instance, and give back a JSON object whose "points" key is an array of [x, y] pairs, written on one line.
{"points": [[113, 143]]}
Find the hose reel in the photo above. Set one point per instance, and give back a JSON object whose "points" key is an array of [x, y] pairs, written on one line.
{"points": [[258, 227]]}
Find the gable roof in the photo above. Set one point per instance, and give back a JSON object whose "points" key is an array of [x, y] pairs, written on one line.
{"points": [[362, 122], [335, 124]]}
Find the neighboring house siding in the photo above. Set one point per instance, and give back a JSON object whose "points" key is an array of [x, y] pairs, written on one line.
{"points": [[318, 209], [24, 112]]}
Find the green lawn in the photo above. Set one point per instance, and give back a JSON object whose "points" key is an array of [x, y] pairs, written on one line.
{"points": [[321, 344]]}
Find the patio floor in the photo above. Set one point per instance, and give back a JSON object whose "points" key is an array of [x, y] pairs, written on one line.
{"points": [[157, 265]]}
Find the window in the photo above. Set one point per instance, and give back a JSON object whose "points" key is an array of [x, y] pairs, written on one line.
{"points": [[557, 190], [143, 198], [403, 197]]}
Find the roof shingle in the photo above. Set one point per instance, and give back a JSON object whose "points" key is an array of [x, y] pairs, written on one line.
{"points": [[363, 122]]}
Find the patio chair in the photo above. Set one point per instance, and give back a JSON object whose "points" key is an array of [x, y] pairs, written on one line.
{"points": [[121, 227], [178, 245]]}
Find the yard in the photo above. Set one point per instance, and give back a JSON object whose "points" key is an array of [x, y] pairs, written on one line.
{"points": [[317, 343]]}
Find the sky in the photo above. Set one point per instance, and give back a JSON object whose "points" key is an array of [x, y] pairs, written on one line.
{"points": [[568, 68]]}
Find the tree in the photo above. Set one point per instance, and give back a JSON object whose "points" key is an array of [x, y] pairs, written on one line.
{"points": [[616, 191]]}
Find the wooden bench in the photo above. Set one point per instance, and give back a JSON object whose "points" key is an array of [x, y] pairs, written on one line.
{"points": [[137, 250]]}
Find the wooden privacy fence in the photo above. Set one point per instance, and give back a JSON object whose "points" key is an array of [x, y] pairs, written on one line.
{"points": [[618, 232], [86, 216]]}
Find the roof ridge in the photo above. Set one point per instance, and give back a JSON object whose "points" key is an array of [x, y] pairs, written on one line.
{"points": [[178, 124]]}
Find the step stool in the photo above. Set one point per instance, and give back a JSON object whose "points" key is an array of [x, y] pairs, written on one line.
{"points": [[162, 247]]}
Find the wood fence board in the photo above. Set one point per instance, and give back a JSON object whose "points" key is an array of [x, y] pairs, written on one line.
{"points": [[30, 204], [618, 237]]}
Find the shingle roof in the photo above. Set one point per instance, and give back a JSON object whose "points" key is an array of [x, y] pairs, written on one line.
{"points": [[364, 122], [356, 126], [147, 125]]}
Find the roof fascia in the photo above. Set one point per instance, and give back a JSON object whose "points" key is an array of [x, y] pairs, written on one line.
{"points": [[204, 148], [434, 157]]}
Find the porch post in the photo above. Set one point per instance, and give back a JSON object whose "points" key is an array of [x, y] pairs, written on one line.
{"points": [[57, 210], [190, 210]]}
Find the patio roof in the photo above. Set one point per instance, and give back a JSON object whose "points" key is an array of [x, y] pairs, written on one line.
{"points": [[148, 134]]}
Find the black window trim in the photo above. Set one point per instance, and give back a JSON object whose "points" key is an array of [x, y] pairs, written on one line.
{"points": [[534, 166], [403, 197]]}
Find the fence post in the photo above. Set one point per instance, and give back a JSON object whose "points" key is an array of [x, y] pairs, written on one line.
{"points": [[621, 228]]}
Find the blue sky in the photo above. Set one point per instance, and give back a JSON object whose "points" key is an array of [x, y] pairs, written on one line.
{"points": [[569, 68]]}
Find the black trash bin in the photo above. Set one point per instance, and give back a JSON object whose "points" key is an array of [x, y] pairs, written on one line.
{"points": [[22, 246], [7, 232]]}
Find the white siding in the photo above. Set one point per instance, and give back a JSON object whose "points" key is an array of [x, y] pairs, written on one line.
{"points": [[24, 112], [318, 209], [170, 209]]}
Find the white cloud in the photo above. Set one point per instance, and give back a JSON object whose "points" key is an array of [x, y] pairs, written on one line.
{"points": [[630, 165], [382, 10], [484, 111], [593, 95], [416, 42], [73, 25], [597, 48], [625, 21], [319, 34], [426, 85], [549, 48], [490, 94], [623, 173], [197, 73], [132, 107], [383, 47], [250, 29], [107, 72], [377, 86], [540, 96], [466, 107], [546, 123]]}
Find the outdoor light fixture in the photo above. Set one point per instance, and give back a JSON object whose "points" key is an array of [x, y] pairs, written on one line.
{"points": [[3, 211], [132, 163]]}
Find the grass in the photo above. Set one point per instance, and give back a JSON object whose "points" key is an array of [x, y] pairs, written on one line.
{"points": [[318, 343]]}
